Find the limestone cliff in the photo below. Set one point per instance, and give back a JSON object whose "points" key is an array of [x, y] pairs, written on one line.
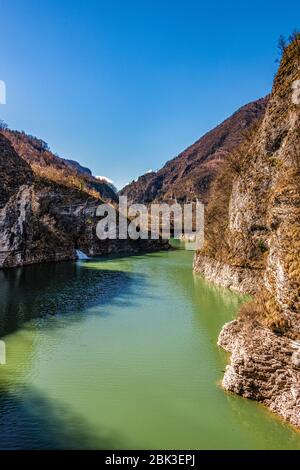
{"points": [[41, 220], [253, 245]]}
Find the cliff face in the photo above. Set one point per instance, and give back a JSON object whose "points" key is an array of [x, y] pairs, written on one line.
{"points": [[41, 220], [189, 175], [263, 367], [253, 245]]}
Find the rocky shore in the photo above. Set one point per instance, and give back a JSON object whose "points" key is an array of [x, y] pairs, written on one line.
{"points": [[263, 367], [244, 280]]}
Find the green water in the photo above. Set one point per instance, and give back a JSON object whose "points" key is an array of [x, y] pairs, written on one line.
{"points": [[121, 353]]}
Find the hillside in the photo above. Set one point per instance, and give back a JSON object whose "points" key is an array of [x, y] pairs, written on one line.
{"points": [[252, 244], [50, 166], [189, 175]]}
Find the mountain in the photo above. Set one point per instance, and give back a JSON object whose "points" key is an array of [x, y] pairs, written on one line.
{"points": [[252, 244], [109, 182], [79, 168], [50, 166], [190, 174]]}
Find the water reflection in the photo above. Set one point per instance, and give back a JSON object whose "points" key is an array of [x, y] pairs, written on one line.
{"points": [[41, 425], [121, 353], [54, 289]]}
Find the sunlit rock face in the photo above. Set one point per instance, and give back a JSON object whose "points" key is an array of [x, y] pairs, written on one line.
{"points": [[41, 220], [253, 245], [263, 367]]}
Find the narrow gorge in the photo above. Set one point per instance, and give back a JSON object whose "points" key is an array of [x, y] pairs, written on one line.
{"points": [[134, 341]]}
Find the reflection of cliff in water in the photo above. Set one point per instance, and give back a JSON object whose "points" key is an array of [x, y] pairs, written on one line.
{"points": [[48, 426], [223, 302], [31, 293], [39, 290]]}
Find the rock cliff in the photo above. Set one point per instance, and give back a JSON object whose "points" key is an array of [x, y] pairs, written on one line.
{"points": [[253, 245], [42, 220]]}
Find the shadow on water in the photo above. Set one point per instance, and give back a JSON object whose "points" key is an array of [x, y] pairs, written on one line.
{"points": [[41, 425], [34, 292], [51, 289]]}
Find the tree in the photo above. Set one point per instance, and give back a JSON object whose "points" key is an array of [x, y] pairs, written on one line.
{"points": [[282, 44], [294, 36], [38, 144], [3, 125]]}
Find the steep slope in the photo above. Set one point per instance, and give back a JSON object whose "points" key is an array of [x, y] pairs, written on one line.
{"points": [[41, 220], [46, 164], [253, 245], [14, 172], [79, 168], [26, 234], [189, 175]]}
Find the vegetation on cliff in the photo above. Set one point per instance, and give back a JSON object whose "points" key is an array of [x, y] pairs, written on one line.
{"points": [[253, 245], [253, 219], [50, 166]]}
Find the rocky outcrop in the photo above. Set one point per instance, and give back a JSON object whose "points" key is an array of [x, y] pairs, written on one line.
{"points": [[77, 167], [263, 367], [253, 220], [253, 245], [190, 174], [244, 280], [42, 221]]}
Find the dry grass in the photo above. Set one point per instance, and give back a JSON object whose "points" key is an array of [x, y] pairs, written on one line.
{"points": [[265, 311], [68, 180], [273, 203], [217, 214]]}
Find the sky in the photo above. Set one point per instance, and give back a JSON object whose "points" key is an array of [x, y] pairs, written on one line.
{"points": [[122, 86]]}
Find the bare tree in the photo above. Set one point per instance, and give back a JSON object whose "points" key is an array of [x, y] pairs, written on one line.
{"points": [[3, 125], [294, 36], [282, 44]]}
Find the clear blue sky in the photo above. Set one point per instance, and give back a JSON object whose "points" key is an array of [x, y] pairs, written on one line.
{"points": [[124, 85]]}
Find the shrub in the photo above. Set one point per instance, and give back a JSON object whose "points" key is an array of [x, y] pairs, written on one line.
{"points": [[265, 311], [262, 246]]}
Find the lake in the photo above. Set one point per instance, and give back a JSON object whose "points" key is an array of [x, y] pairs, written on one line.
{"points": [[120, 353]]}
